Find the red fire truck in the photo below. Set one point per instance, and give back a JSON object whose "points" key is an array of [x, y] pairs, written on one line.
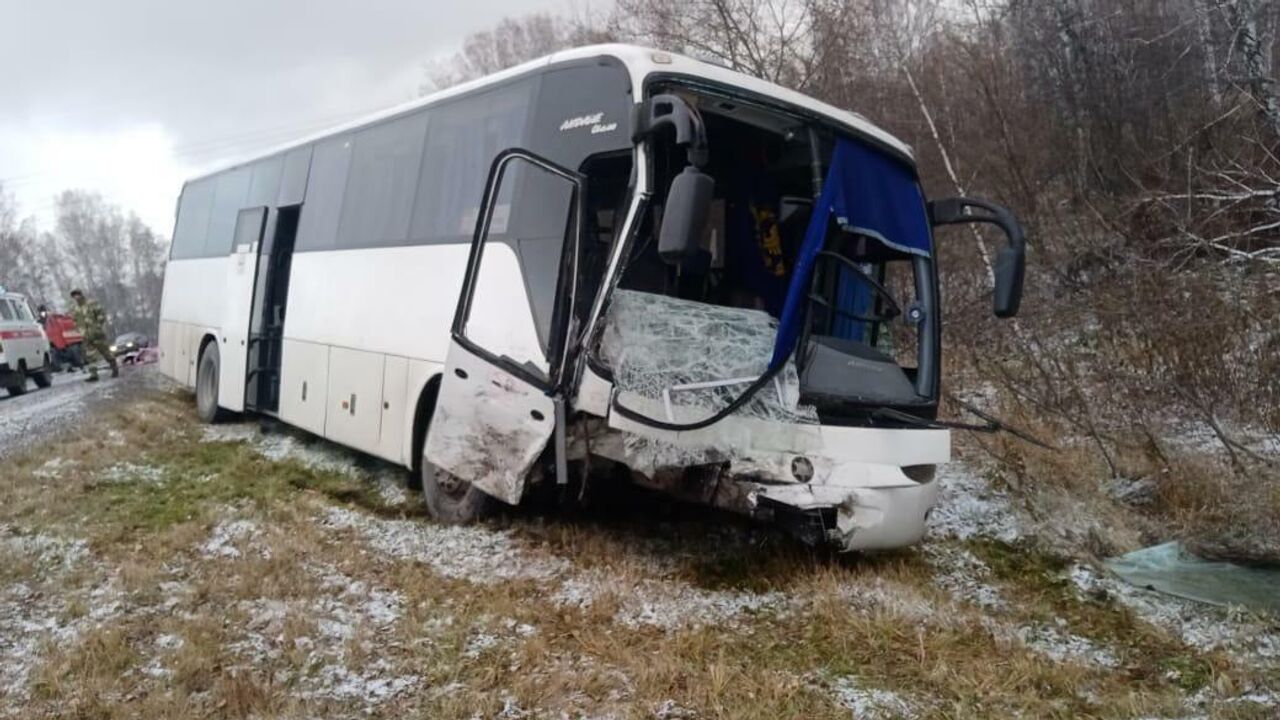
{"points": [[64, 338]]}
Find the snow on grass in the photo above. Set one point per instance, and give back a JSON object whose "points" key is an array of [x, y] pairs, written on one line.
{"points": [[969, 507], [45, 552], [53, 468], [1260, 698], [876, 594], [868, 703], [320, 456], [231, 538], [372, 686], [489, 633], [33, 612], [286, 444], [475, 553], [663, 602], [128, 472], [964, 576], [968, 579], [480, 643], [229, 432], [162, 648], [1200, 437], [1054, 642], [391, 488], [671, 710], [351, 621], [671, 604], [486, 556]]}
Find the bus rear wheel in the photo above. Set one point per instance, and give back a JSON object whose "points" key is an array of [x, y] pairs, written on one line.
{"points": [[207, 385], [450, 499]]}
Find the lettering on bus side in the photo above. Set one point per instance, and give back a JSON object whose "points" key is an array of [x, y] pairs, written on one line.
{"points": [[595, 121]]}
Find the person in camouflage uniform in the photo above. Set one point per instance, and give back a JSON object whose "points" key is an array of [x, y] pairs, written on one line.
{"points": [[92, 321]]}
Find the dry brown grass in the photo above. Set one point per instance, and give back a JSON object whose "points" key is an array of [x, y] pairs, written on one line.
{"points": [[194, 637], [1161, 489]]}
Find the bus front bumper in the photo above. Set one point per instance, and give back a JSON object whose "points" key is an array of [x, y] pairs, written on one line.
{"points": [[854, 488], [857, 518]]}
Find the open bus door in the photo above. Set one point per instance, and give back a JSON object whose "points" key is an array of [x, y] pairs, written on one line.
{"points": [[500, 399], [241, 278]]}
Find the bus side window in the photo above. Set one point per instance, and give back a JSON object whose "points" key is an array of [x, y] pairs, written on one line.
{"points": [[382, 183], [326, 185], [463, 138], [193, 219], [229, 197]]}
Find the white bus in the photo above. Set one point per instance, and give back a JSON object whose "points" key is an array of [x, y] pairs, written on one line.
{"points": [[609, 264]]}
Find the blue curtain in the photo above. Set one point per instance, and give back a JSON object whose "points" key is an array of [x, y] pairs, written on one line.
{"points": [[853, 297], [867, 192]]}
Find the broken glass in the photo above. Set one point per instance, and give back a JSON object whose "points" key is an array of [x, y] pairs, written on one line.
{"points": [[1170, 569], [659, 346]]}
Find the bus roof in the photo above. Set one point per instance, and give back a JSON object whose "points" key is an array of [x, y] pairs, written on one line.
{"points": [[641, 63]]}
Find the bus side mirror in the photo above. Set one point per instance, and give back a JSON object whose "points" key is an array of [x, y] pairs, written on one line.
{"points": [[684, 217], [1011, 261], [1011, 266]]}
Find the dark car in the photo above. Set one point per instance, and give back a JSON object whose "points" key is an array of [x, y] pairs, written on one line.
{"points": [[129, 343]]}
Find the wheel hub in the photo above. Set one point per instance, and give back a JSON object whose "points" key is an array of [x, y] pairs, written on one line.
{"points": [[451, 484]]}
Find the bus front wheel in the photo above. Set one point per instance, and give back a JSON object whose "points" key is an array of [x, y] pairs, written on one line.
{"points": [[450, 499]]}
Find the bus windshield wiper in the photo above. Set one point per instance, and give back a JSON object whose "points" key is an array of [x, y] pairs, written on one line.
{"points": [[990, 424]]}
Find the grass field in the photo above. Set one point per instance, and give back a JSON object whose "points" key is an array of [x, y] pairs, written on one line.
{"points": [[151, 567]]}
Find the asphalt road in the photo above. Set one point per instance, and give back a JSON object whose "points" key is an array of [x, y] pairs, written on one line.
{"points": [[42, 413]]}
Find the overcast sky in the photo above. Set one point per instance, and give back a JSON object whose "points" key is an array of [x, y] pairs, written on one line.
{"points": [[129, 97]]}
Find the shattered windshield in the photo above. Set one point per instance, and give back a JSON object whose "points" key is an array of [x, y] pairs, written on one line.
{"points": [[695, 358]]}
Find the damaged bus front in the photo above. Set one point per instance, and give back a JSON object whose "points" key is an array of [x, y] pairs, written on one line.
{"points": [[750, 320]]}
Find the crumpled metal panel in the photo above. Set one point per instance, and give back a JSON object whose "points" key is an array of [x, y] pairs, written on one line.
{"points": [[653, 342], [489, 427]]}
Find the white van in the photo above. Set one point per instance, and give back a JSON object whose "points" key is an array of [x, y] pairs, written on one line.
{"points": [[24, 349]]}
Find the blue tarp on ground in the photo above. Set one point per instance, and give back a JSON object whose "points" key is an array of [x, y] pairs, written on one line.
{"points": [[867, 192]]}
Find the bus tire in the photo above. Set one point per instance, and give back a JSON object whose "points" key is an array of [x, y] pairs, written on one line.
{"points": [[421, 422], [44, 377], [450, 499], [207, 384]]}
